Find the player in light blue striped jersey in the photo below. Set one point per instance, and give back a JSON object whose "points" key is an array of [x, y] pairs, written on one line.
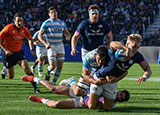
{"points": [[54, 29], [41, 52]]}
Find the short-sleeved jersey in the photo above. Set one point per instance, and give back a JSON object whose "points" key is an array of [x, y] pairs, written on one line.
{"points": [[54, 30], [89, 61], [13, 37], [35, 36], [92, 33], [121, 66]]}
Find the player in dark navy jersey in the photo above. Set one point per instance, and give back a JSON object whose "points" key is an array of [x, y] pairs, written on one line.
{"points": [[93, 32], [121, 68]]}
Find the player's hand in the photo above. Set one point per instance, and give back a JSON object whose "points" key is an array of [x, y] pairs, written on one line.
{"points": [[111, 79], [73, 52], [141, 79], [33, 53], [101, 81], [48, 46], [8, 53]]}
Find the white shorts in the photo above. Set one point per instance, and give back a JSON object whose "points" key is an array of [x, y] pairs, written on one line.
{"points": [[41, 51], [109, 90], [54, 50], [83, 53]]}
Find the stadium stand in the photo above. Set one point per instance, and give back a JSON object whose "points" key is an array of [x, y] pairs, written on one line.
{"points": [[124, 16]]}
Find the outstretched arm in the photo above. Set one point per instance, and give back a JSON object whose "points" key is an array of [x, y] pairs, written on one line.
{"points": [[147, 72]]}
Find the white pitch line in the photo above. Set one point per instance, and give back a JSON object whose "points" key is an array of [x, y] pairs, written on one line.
{"points": [[150, 79]]}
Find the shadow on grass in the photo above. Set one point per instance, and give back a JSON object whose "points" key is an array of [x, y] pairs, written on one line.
{"points": [[137, 109]]}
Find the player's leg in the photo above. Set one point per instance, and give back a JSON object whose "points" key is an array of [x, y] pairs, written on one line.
{"points": [[63, 90], [34, 66], [10, 72], [108, 103], [40, 66], [60, 61], [109, 93], [51, 61], [41, 52], [25, 67], [4, 72], [60, 57], [68, 103], [78, 90], [95, 92]]}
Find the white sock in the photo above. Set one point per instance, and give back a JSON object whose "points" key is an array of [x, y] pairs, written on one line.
{"points": [[44, 101], [37, 80]]}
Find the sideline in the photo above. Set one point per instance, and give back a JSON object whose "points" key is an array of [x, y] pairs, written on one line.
{"points": [[150, 79]]}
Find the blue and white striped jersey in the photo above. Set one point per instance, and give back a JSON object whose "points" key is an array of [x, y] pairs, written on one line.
{"points": [[89, 61], [35, 36], [54, 30]]}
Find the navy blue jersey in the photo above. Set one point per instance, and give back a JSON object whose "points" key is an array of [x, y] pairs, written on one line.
{"points": [[93, 33], [121, 66]]}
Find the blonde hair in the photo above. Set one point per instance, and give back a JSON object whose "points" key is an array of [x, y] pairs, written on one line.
{"points": [[135, 37], [93, 7]]}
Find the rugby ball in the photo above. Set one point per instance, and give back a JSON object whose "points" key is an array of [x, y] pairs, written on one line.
{"points": [[120, 55]]}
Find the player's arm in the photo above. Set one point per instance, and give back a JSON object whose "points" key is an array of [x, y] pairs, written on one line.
{"points": [[89, 79], [30, 42], [3, 34], [147, 72], [7, 52], [67, 34], [74, 43], [118, 45], [40, 37], [110, 38], [112, 79]]}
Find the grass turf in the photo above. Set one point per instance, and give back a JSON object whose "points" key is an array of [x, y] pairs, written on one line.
{"points": [[14, 93]]}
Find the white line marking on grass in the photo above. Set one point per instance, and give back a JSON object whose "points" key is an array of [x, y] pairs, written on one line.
{"points": [[150, 79]]}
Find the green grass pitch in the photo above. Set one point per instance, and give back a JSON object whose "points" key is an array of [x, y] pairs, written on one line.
{"points": [[145, 97]]}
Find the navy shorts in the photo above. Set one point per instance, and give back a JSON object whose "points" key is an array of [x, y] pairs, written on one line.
{"points": [[11, 60]]}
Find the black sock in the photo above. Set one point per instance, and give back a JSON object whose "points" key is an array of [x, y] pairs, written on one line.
{"points": [[35, 64]]}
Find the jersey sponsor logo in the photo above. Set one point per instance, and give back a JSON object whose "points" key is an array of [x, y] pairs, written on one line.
{"points": [[100, 26], [55, 29], [95, 32], [122, 67], [17, 37], [131, 62]]}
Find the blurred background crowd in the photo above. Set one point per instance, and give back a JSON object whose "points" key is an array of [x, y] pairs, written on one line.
{"points": [[124, 16]]}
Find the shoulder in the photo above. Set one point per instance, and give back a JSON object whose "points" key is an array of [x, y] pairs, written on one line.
{"points": [[25, 28], [85, 22], [47, 21], [9, 26], [35, 34]]}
